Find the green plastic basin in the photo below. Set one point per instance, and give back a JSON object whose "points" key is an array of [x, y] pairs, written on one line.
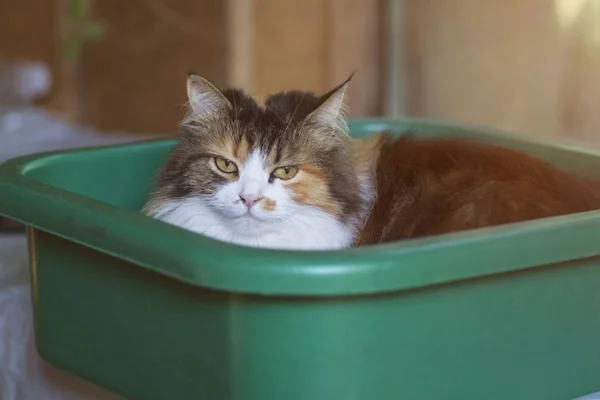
{"points": [[151, 311]]}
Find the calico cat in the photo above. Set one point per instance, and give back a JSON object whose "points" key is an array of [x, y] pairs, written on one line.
{"points": [[285, 174], [276, 175]]}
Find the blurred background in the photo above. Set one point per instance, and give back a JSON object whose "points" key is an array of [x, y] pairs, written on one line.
{"points": [[87, 72], [528, 66]]}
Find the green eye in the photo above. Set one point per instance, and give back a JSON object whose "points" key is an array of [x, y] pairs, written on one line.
{"points": [[285, 173], [225, 165]]}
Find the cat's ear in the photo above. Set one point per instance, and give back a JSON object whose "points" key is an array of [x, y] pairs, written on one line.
{"points": [[332, 112], [204, 98]]}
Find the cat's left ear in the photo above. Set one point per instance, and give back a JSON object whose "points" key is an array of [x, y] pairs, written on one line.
{"points": [[332, 112], [205, 99]]}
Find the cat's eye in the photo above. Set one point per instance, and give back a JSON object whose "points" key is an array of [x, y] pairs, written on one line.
{"points": [[285, 173], [225, 165]]}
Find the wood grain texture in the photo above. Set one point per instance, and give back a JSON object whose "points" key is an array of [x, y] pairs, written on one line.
{"points": [[240, 43], [28, 30], [579, 99], [487, 62], [512, 65], [135, 78], [289, 46], [315, 45], [354, 45]]}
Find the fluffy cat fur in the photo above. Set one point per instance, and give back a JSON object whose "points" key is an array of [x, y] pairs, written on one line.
{"points": [[320, 207], [345, 192], [435, 186]]}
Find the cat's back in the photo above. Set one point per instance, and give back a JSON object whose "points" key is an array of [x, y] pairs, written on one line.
{"points": [[434, 186], [438, 156]]}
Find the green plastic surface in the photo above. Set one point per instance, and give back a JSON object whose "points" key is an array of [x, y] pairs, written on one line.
{"points": [[151, 311]]}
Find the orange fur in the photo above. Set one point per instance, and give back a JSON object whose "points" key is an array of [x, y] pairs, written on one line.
{"points": [[310, 188], [268, 204], [435, 186], [365, 153]]}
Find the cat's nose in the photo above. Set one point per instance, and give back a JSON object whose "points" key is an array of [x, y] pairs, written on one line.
{"points": [[250, 199]]}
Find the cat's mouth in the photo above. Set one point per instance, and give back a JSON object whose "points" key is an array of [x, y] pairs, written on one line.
{"points": [[249, 215], [249, 222]]}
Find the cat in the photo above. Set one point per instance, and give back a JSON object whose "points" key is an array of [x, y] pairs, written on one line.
{"points": [[434, 186], [286, 175], [278, 174]]}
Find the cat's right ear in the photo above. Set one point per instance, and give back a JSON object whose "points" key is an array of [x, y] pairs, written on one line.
{"points": [[204, 98], [332, 112]]}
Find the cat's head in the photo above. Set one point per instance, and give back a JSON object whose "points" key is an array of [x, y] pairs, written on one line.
{"points": [[248, 172]]}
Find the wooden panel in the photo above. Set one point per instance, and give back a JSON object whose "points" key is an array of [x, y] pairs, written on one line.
{"points": [[487, 62], [28, 31], [530, 66], [240, 44], [579, 91], [355, 46], [314, 45], [135, 78], [289, 45]]}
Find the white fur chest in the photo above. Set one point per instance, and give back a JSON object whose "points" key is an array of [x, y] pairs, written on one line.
{"points": [[309, 229]]}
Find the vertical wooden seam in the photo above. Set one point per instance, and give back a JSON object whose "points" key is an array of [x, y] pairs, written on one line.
{"points": [[329, 39], [396, 66], [240, 44], [67, 71], [413, 87]]}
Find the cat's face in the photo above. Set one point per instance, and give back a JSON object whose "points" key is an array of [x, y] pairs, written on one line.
{"points": [[272, 175], [254, 182]]}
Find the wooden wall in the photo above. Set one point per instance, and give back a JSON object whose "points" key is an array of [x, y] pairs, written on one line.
{"points": [[134, 78], [21, 25], [519, 65], [28, 30], [316, 45], [510, 64]]}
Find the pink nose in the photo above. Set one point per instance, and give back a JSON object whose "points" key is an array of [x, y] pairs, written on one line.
{"points": [[250, 199]]}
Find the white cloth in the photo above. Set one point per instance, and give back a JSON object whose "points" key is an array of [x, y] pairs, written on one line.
{"points": [[23, 374], [593, 396], [29, 130]]}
